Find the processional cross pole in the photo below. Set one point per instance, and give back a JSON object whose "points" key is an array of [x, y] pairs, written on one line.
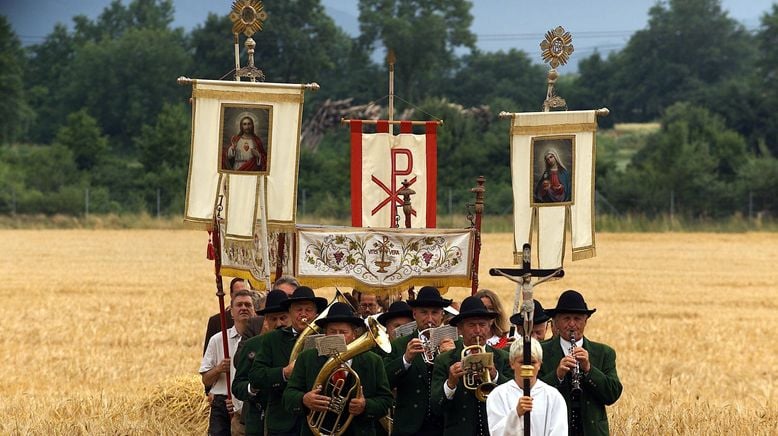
{"points": [[556, 49]]}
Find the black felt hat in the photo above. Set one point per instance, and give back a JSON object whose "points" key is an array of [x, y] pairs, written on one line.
{"points": [[472, 307], [396, 310], [570, 302], [429, 297], [273, 302], [304, 293], [340, 312], [538, 317]]}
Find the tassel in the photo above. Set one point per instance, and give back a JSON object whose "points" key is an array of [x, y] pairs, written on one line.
{"points": [[210, 254]]}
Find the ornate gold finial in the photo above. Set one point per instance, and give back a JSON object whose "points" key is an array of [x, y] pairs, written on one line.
{"points": [[247, 16], [557, 47]]}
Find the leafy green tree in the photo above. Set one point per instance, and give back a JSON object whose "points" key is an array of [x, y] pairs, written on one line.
{"points": [[82, 136], [132, 93], [210, 45], [424, 35], [767, 80], [485, 76], [688, 45], [694, 157], [14, 107], [164, 154]]}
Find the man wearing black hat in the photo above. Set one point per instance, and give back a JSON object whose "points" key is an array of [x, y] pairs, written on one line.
{"points": [[594, 362], [271, 368], [463, 413], [539, 322], [370, 403], [410, 375], [399, 313], [255, 401]]}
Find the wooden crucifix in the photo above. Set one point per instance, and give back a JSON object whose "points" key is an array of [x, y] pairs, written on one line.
{"points": [[524, 288]]}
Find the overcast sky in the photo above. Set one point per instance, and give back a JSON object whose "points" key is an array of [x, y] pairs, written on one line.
{"points": [[604, 25]]}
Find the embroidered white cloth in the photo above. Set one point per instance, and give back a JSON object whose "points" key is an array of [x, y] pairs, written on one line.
{"points": [[386, 259], [552, 168]]}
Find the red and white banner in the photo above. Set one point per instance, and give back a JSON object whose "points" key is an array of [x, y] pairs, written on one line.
{"points": [[380, 162]]}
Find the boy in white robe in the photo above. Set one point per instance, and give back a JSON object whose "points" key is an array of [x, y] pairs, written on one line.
{"points": [[507, 404]]}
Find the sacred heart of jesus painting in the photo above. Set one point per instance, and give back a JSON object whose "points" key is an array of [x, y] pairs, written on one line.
{"points": [[552, 170], [245, 138]]}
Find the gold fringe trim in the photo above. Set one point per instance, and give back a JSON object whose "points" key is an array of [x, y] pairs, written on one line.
{"points": [[554, 129], [584, 253], [197, 224], [247, 96], [442, 283], [256, 283]]}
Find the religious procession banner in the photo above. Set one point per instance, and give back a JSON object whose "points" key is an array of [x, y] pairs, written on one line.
{"points": [[244, 259], [244, 135], [384, 260], [552, 167], [380, 162]]}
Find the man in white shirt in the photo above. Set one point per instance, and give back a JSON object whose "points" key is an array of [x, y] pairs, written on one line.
{"points": [[507, 404], [215, 365]]}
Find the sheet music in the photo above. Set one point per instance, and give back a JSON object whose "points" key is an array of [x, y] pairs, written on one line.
{"points": [[331, 345], [438, 335], [405, 329], [478, 361], [310, 341]]}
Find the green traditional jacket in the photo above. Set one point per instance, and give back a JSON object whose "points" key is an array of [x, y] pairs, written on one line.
{"points": [[461, 413], [253, 404], [600, 387], [371, 372], [266, 374], [412, 385]]}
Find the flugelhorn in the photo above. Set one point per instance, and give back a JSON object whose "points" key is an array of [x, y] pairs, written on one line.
{"points": [[477, 377], [341, 383], [311, 327], [430, 351]]}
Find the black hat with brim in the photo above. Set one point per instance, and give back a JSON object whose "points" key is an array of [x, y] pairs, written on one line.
{"points": [[570, 302], [304, 293], [340, 312], [472, 307], [429, 296], [396, 310], [273, 302], [539, 316]]}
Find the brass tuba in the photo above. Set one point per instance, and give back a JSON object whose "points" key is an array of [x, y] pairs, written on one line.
{"points": [[312, 328], [341, 383], [477, 377]]}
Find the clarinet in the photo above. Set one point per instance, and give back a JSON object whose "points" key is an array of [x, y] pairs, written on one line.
{"points": [[576, 421]]}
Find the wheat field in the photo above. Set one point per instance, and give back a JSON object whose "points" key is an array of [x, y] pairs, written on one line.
{"points": [[103, 329]]}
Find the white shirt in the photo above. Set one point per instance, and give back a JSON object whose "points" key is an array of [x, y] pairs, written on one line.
{"points": [[548, 416], [214, 354]]}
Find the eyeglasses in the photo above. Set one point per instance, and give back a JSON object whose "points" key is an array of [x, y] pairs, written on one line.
{"points": [[368, 305]]}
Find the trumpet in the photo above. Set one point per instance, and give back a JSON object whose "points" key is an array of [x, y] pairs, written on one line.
{"points": [[575, 373], [430, 351], [477, 377], [341, 383]]}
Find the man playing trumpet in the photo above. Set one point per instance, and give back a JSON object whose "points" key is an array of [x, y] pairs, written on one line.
{"points": [[410, 374], [272, 368], [462, 406], [372, 399]]}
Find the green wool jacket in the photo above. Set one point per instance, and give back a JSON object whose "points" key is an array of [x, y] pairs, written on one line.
{"points": [[266, 374], [253, 404], [371, 372], [412, 385], [460, 414], [600, 387]]}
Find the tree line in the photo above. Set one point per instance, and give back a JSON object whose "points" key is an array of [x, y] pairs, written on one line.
{"points": [[96, 108]]}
